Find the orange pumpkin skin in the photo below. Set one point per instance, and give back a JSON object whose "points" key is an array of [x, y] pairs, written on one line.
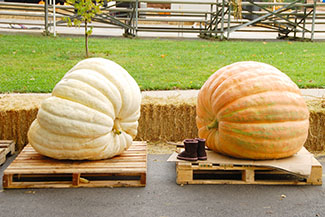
{"points": [[251, 110]]}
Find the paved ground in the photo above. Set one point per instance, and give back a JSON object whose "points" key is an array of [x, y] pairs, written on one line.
{"points": [[307, 93], [163, 197], [184, 94]]}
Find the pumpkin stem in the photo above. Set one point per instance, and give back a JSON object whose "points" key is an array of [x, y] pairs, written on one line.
{"points": [[117, 127], [116, 131], [214, 124]]}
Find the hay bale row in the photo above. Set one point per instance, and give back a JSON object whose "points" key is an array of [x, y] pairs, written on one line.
{"points": [[316, 136], [171, 119], [17, 112], [166, 120]]}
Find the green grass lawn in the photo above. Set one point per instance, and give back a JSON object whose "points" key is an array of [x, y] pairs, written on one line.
{"points": [[37, 63]]}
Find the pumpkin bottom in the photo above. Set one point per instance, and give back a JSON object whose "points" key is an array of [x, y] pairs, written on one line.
{"points": [[62, 147], [257, 141], [283, 149], [253, 149], [258, 156]]}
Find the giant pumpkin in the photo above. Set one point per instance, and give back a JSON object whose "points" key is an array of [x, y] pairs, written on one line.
{"points": [[92, 114], [251, 110]]}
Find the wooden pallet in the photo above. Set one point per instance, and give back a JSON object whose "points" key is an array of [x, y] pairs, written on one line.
{"points": [[202, 172], [6, 147], [32, 170]]}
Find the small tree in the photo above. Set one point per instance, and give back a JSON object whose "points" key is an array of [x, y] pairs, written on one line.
{"points": [[86, 11]]}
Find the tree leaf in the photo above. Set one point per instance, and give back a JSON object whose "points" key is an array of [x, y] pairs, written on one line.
{"points": [[86, 11]]}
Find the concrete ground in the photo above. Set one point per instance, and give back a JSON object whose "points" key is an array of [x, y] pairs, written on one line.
{"points": [[307, 93], [162, 197]]}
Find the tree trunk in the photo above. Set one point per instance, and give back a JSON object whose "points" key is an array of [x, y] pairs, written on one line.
{"points": [[86, 38]]}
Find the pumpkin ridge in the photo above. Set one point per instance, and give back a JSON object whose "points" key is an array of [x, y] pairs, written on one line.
{"points": [[111, 86], [205, 109], [253, 75], [122, 85], [87, 146], [265, 109], [76, 75], [230, 102], [88, 152], [267, 133], [80, 122], [226, 91], [75, 101], [260, 148], [293, 99], [82, 103], [83, 142], [214, 81], [88, 84], [134, 117], [260, 122], [212, 134], [78, 103], [264, 119], [223, 73], [247, 96]]}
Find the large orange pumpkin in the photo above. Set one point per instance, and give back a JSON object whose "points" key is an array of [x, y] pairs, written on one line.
{"points": [[251, 110]]}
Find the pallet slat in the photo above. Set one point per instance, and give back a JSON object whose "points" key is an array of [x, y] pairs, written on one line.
{"points": [[120, 183], [32, 170], [6, 147]]}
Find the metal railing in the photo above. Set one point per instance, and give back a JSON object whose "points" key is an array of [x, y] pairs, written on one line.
{"points": [[296, 19]]}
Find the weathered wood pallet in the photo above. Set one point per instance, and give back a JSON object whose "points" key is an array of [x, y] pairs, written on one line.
{"points": [[32, 170], [6, 147], [209, 173]]}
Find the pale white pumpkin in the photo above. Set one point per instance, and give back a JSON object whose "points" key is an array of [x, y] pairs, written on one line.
{"points": [[92, 114]]}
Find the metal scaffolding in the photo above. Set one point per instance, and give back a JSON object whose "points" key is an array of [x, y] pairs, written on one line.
{"points": [[289, 18], [294, 20]]}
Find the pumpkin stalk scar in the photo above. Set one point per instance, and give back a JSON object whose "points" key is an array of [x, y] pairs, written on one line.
{"points": [[117, 127], [214, 124]]}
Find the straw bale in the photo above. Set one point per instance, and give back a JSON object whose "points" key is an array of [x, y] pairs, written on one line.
{"points": [[167, 119], [17, 112], [316, 136], [162, 119]]}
